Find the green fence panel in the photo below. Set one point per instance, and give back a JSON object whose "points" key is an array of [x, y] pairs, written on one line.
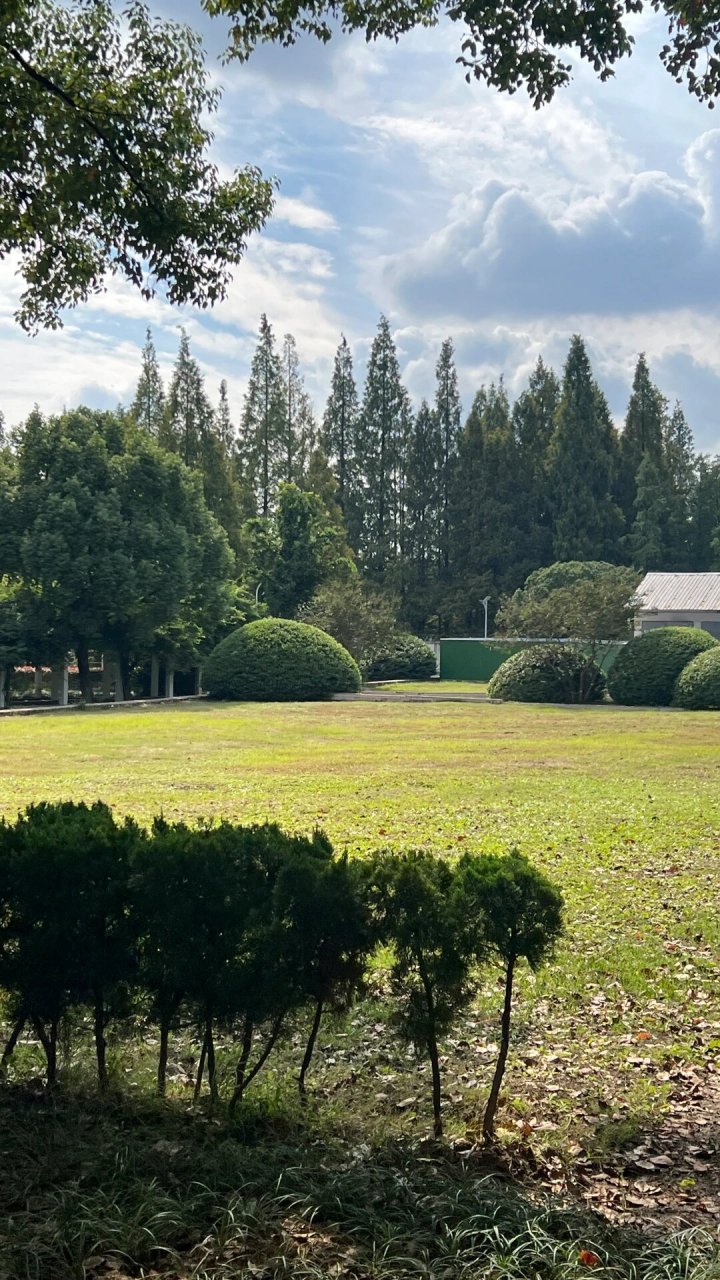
{"points": [[469, 659]]}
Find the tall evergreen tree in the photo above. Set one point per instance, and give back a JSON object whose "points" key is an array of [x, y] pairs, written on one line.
{"points": [[447, 412], [339, 433], [223, 421], [261, 447], [383, 424], [679, 463], [705, 516], [148, 407], [188, 416], [642, 435], [647, 540], [298, 422], [581, 464], [424, 511], [533, 419]]}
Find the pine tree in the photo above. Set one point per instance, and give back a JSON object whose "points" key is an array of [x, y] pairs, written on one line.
{"points": [[424, 510], [704, 548], [642, 435], [647, 540], [533, 419], [188, 416], [223, 421], [581, 464], [298, 421], [339, 433], [148, 407], [261, 448], [679, 462], [447, 411], [383, 423]]}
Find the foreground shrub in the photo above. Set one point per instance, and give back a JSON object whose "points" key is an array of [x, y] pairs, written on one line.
{"points": [[402, 657], [548, 673], [697, 688], [274, 660], [645, 672]]}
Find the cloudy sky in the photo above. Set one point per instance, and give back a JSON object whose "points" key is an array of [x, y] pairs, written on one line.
{"points": [[456, 211]]}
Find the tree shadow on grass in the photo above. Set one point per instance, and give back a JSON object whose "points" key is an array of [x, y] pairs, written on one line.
{"points": [[131, 1188]]}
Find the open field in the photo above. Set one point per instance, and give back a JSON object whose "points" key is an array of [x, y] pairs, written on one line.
{"points": [[612, 1082]]}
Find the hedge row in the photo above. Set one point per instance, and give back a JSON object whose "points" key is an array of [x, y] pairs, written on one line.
{"points": [[235, 929]]}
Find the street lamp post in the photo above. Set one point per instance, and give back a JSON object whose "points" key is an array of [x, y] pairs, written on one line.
{"points": [[485, 603]]}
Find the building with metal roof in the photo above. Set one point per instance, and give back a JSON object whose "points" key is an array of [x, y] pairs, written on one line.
{"points": [[678, 600]]}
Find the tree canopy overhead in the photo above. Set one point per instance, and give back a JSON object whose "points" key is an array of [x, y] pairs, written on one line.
{"points": [[511, 45], [104, 165]]}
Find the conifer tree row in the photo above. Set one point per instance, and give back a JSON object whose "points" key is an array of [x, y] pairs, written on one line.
{"points": [[437, 511]]}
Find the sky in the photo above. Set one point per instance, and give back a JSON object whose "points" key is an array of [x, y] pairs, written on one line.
{"points": [[454, 209]]}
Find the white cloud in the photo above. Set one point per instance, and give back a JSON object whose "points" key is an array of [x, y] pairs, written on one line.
{"points": [[298, 213]]}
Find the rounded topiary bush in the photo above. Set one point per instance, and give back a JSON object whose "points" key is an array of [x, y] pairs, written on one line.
{"points": [[274, 660], [402, 657], [697, 688], [548, 673], [645, 670]]}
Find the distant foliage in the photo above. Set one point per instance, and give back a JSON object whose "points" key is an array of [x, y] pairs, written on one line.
{"points": [[548, 673], [698, 686], [274, 660], [644, 673], [403, 657]]}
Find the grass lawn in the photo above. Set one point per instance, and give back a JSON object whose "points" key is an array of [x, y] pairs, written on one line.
{"points": [[434, 686], [612, 1080]]}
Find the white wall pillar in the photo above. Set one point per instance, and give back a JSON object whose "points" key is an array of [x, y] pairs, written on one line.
{"points": [[59, 684], [198, 679], [169, 681], [154, 677], [3, 678], [38, 681]]}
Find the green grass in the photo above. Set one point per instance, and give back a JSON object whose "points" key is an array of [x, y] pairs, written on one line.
{"points": [[623, 810], [434, 686]]}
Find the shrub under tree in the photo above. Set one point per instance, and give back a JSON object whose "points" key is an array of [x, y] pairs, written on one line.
{"points": [[548, 673], [645, 672], [275, 660]]}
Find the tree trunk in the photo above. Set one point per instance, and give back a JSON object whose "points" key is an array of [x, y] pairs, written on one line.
{"points": [[14, 1037], [48, 1041], [100, 1041], [269, 1046], [492, 1102], [432, 1049], [124, 667], [210, 1052], [200, 1070], [242, 1064], [309, 1048], [163, 1055], [83, 661], [435, 1064]]}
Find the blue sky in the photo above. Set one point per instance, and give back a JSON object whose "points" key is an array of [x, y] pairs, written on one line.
{"points": [[452, 208]]}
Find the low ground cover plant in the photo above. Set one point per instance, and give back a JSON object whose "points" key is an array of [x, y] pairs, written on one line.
{"points": [[548, 673], [275, 660], [236, 928], [645, 671]]}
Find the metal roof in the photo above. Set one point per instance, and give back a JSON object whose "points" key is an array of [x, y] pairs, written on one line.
{"points": [[679, 591]]}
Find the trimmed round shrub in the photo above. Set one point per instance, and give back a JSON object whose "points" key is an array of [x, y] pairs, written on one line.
{"points": [[402, 657], [697, 688], [645, 671], [548, 673], [274, 660]]}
